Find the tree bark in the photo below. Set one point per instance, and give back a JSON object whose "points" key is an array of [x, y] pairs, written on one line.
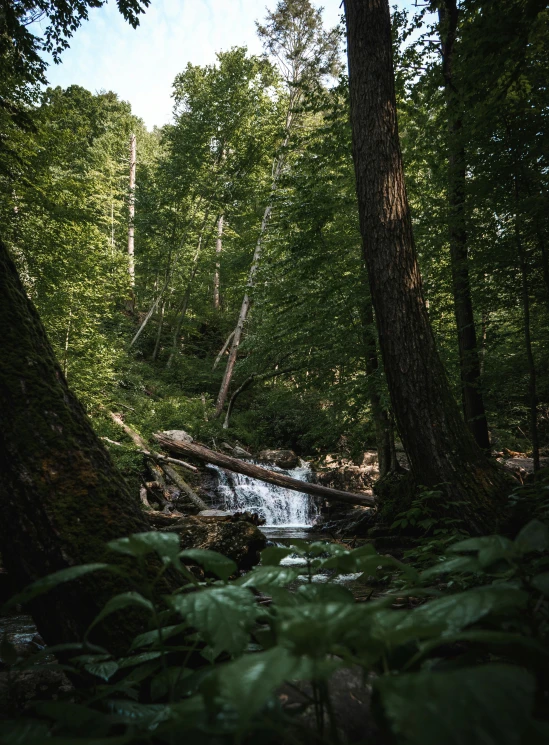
{"points": [[218, 250], [246, 302], [161, 462], [525, 297], [383, 421], [131, 211], [61, 497], [263, 474], [440, 448], [469, 362]]}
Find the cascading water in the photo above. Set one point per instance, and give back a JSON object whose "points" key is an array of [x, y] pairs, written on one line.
{"points": [[279, 507]]}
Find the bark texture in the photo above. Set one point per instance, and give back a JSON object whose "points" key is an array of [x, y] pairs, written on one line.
{"points": [[256, 472], [469, 362], [439, 446], [61, 497]]}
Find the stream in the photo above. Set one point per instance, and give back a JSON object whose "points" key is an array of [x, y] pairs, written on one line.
{"points": [[288, 514], [285, 511]]}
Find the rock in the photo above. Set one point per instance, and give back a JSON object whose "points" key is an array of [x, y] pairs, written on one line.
{"points": [[282, 458], [521, 465], [211, 515], [178, 434], [238, 539], [239, 452]]}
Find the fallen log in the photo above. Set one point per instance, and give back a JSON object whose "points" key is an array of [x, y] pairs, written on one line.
{"points": [[263, 474], [160, 464]]}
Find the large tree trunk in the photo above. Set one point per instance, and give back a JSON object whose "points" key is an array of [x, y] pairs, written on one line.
{"points": [[440, 448], [383, 421], [263, 474], [469, 362], [61, 498]]}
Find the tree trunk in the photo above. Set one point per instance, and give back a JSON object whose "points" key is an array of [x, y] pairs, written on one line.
{"points": [[383, 421], [61, 497], [218, 250], [525, 296], [263, 474], [188, 290], [131, 210], [473, 404], [440, 448], [246, 302]]}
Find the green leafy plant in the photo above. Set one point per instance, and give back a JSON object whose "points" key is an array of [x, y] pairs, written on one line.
{"points": [[465, 665]]}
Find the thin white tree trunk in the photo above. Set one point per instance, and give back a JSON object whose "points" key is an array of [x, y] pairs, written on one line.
{"points": [[131, 228], [278, 165], [218, 250]]}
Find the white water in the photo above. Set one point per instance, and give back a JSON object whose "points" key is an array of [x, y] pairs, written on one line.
{"points": [[279, 507]]}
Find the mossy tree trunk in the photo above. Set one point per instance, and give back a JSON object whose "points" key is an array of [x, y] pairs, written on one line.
{"points": [[61, 497], [441, 450]]}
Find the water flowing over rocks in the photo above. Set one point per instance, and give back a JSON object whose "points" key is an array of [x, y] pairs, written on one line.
{"points": [[276, 505]]}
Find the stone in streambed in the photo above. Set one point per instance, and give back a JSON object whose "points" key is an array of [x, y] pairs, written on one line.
{"points": [[282, 458], [229, 535]]}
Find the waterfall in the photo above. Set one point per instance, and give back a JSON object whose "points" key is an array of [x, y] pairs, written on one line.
{"points": [[278, 506]]}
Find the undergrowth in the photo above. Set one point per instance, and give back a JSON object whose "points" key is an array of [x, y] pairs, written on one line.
{"points": [[454, 653]]}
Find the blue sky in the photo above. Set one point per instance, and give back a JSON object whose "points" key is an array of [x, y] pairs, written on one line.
{"points": [[107, 54]]}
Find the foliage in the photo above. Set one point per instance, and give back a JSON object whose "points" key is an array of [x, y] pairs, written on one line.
{"points": [[213, 658]]}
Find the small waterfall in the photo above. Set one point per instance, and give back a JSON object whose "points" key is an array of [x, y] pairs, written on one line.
{"points": [[279, 506]]}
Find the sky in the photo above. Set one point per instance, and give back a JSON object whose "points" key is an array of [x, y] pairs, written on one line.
{"points": [[140, 65]]}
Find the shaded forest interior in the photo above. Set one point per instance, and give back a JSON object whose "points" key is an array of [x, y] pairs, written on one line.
{"points": [[338, 247]]}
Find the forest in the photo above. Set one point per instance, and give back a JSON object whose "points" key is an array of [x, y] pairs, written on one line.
{"points": [[274, 385]]}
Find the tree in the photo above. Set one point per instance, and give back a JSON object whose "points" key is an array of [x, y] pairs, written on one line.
{"points": [[61, 498], [440, 447], [294, 36], [473, 404]]}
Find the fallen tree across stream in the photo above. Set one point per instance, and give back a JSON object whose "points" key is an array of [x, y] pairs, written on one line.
{"points": [[263, 474]]}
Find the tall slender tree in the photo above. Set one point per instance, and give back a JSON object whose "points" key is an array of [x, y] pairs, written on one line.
{"points": [[293, 34], [469, 362]]}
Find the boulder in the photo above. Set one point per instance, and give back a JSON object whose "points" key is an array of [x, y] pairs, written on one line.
{"points": [[229, 535], [239, 452], [282, 458], [178, 434]]}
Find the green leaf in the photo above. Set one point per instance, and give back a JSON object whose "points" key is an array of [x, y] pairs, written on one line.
{"points": [[247, 683], [133, 712], [24, 732], [223, 615], [486, 705], [457, 564], [265, 577], [541, 583], [148, 638], [324, 593], [352, 561], [166, 545], [138, 659], [273, 555], [533, 537], [212, 561], [455, 612], [482, 543], [104, 670], [45, 584], [118, 602]]}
